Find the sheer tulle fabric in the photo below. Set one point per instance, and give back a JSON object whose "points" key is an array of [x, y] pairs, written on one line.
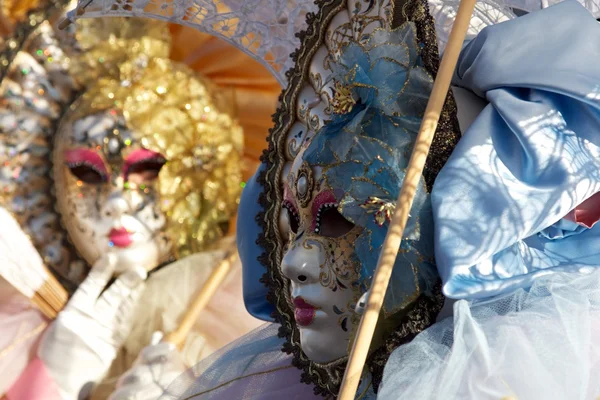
{"points": [[251, 368], [541, 343]]}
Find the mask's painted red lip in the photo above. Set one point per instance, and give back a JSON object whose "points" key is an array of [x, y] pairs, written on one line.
{"points": [[304, 312], [120, 237], [299, 302]]}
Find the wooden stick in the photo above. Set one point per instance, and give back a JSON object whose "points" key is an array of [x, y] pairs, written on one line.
{"points": [[62, 25], [50, 298], [387, 258], [43, 305], [213, 283], [54, 293]]}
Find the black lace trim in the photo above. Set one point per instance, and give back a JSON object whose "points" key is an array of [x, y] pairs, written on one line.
{"points": [[421, 316]]}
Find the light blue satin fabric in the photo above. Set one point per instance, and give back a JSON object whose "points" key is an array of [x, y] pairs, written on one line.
{"points": [[248, 230], [529, 158]]}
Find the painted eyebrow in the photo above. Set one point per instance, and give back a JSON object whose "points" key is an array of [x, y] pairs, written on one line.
{"points": [[141, 155], [76, 157]]}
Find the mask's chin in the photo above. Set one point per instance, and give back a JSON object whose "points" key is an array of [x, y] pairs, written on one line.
{"points": [[323, 347], [145, 255]]}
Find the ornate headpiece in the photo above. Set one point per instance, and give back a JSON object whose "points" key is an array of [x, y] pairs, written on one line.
{"points": [[51, 78]]}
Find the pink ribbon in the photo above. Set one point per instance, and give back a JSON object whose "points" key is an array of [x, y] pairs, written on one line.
{"points": [[34, 384]]}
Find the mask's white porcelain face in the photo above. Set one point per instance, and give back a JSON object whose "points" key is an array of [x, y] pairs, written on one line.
{"points": [[105, 184], [320, 262]]}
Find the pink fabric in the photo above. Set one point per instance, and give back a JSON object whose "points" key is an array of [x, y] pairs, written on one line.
{"points": [[587, 213], [21, 326], [34, 384]]}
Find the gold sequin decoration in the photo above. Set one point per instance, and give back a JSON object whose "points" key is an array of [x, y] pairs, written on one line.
{"points": [[383, 210]]}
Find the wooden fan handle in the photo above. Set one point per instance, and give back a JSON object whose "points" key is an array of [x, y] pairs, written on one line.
{"points": [[211, 286]]}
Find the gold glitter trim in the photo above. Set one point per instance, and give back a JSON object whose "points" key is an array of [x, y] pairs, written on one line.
{"points": [[382, 209]]}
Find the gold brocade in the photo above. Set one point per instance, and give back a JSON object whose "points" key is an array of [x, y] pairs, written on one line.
{"points": [[107, 43]]}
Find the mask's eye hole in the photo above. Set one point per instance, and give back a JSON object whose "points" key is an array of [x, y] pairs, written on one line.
{"points": [[87, 173], [331, 223], [145, 171], [293, 218], [86, 165]]}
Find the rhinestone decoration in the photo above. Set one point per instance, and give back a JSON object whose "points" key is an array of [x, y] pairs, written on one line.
{"points": [[304, 185]]}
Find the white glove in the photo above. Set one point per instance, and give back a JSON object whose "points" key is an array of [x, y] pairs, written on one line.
{"points": [[157, 366], [80, 345]]}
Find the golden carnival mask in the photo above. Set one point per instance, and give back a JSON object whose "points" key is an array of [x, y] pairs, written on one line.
{"points": [[108, 144]]}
